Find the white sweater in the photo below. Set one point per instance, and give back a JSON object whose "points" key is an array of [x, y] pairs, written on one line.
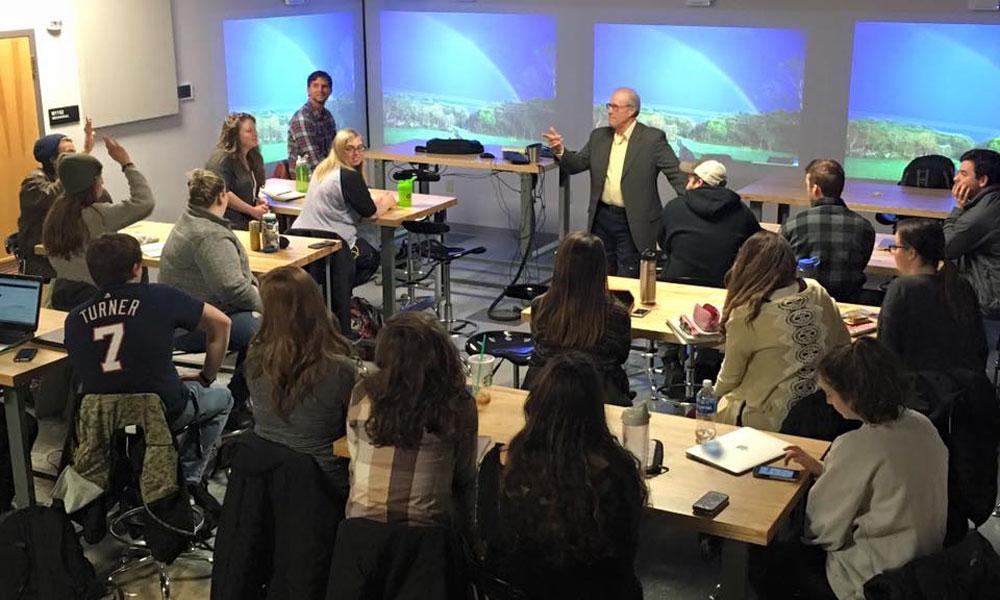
{"points": [[881, 501]]}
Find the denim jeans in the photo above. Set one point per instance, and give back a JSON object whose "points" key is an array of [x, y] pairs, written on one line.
{"points": [[244, 327], [214, 404]]}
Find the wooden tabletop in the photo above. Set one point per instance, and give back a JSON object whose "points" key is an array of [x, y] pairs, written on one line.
{"points": [[404, 152], [673, 300], [859, 194], [424, 205], [756, 506], [881, 261], [297, 254], [12, 373]]}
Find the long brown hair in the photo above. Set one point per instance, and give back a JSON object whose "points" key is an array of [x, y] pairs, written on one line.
{"points": [[64, 232], [764, 263], [419, 386], [297, 339], [571, 313], [229, 142]]}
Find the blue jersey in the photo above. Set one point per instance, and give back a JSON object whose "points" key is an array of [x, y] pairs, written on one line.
{"points": [[122, 341]]}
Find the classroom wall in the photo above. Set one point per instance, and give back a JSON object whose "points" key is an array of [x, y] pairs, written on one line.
{"points": [[167, 147]]}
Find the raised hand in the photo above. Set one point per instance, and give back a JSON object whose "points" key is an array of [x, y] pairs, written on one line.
{"points": [[116, 151], [88, 136], [554, 139]]}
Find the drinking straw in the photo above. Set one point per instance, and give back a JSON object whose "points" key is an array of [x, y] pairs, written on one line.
{"points": [[479, 366]]}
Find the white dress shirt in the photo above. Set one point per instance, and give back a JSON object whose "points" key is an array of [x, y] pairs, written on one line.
{"points": [[616, 163]]}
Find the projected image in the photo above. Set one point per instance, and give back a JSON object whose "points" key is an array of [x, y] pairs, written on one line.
{"points": [[268, 61], [489, 77], [730, 93], [921, 88]]}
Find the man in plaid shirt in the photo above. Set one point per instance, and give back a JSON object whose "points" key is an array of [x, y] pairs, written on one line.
{"points": [[840, 238], [311, 130]]}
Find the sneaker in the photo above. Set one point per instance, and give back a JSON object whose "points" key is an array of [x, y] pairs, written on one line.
{"points": [[201, 496]]}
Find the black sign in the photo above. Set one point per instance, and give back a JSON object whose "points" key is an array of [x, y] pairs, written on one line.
{"points": [[64, 115]]}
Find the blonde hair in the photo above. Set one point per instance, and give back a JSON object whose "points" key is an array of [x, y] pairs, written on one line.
{"points": [[204, 187], [338, 155]]}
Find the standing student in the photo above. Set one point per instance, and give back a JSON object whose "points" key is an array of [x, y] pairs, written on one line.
{"points": [[930, 316], [777, 329], [578, 313], [337, 202], [83, 213], [881, 494], [624, 159], [238, 161], [312, 127]]}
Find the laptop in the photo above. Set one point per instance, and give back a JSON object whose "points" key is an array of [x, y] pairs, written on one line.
{"points": [[20, 306], [739, 451]]}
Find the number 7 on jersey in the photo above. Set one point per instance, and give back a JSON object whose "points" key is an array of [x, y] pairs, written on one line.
{"points": [[116, 332]]}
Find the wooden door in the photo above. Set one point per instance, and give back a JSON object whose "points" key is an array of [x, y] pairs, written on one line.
{"points": [[19, 125]]}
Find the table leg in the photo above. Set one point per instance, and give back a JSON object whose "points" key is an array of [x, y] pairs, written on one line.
{"points": [[329, 275], [757, 208], [20, 458], [783, 213], [380, 173], [527, 213], [735, 568], [388, 271], [564, 201]]}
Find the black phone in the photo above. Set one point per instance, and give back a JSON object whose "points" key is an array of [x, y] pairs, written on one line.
{"points": [[778, 473], [654, 465], [710, 504], [640, 312], [25, 354], [323, 244]]}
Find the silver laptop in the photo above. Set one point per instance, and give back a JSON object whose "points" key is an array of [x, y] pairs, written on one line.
{"points": [[20, 305], [739, 451]]}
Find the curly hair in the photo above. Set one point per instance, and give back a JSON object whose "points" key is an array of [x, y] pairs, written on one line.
{"points": [[556, 464], [869, 377], [419, 386]]}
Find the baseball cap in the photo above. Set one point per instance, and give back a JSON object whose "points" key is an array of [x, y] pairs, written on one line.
{"points": [[712, 172]]}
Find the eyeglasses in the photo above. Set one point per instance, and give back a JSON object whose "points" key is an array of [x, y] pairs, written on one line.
{"points": [[894, 247], [611, 106], [355, 148]]}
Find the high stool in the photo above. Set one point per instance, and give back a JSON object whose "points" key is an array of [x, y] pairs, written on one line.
{"points": [[515, 347]]}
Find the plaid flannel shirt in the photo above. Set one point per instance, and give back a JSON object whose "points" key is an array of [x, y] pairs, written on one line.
{"points": [[310, 134], [840, 238]]}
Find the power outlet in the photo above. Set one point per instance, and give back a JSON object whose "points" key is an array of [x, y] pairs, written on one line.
{"points": [[449, 187]]}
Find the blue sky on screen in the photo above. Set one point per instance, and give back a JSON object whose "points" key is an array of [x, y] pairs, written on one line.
{"points": [[268, 59], [698, 69], [469, 56], [945, 76]]}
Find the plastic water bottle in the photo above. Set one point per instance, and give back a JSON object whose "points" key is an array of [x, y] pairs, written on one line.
{"points": [[706, 406], [302, 174], [404, 189], [807, 267], [635, 432], [269, 241]]}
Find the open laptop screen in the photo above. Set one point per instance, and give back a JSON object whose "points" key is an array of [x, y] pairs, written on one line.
{"points": [[20, 301]]}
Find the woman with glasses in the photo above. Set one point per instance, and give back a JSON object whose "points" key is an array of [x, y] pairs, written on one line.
{"points": [[930, 316], [337, 201], [238, 161]]}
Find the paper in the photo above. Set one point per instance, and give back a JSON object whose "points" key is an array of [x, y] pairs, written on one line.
{"points": [[152, 250]]}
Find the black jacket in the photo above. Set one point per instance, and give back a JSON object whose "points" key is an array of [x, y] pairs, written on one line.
{"points": [[278, 527], [701, 232]]}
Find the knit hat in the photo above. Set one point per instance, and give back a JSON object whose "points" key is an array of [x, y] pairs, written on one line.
{"points": [[47, 146], [78, 172]]}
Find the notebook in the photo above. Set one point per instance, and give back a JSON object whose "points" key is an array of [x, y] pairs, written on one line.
{"points": [[739, 451]]}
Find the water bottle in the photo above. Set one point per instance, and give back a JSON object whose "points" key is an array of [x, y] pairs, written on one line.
{"points": [[647, 277], [706, 405], [269, 232], [635, 432], [404, 189], [807, 267], [302, 174]]}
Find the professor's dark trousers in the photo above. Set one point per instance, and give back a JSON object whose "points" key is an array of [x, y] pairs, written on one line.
{"points": [[611, 225]]}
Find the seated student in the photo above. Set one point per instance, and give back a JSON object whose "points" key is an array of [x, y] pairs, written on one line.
{"points": [[411, 429], [571, 497], [874, 506], [579, 313], [121, 342], [777, 328], [840, 238], [337, 201], [930, 316], [203, 257], [703, 228], [238, 161], [80, 215], [300, 373], [39, 190]]}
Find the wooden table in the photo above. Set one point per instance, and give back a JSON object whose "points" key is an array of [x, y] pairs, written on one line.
{"points": [[405, 152], [15, 379], [424, 205], [881, 261], [757, 507], [859, 194]]}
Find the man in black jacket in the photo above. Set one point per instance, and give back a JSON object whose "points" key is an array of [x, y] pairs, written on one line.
{"points": [[702, 230]]}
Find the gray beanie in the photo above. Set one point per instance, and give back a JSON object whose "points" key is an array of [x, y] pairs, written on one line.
{"points": [[78, 172]]}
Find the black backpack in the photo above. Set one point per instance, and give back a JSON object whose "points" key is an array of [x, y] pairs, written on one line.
{"points": [[930, 171]]}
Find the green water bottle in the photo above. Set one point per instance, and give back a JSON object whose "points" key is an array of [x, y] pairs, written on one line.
{"points": [[405, 189], [302, 174]]}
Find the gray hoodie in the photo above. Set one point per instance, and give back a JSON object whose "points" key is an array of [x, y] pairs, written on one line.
{"points": [[972, 238]]}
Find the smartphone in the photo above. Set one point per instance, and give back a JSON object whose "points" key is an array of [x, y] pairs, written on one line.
{"points": [[778, 473], [710, 504], [323, 244], [25, 354], [641, 312]]}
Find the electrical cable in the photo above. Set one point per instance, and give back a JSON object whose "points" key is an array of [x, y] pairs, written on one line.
{"points": [[491, 311]]}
